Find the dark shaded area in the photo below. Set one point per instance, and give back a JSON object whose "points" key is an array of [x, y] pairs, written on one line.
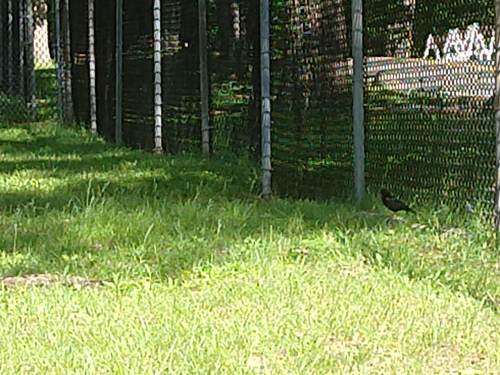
{"points": [[80, 61], [105, 64], [429, 124], [56, 156], [174, 182], [180, 77], [430, 132], [13, 62], [232, 37], [311, 87]]}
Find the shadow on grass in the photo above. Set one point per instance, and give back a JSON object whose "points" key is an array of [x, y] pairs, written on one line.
{"points": [[113, 211], [191, 213]]}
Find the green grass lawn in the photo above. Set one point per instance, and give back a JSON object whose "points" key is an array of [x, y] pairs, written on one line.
{"points": [[200, 276]]}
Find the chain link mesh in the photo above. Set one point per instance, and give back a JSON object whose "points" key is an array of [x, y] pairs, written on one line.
{"points": [[429, 86], [311, 87], [27, 69], [234, 75], [429, 81]]}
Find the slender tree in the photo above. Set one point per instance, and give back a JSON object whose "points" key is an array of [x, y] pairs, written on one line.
{"points": [[2, 50], [58, 57], [21, 67], [30, 59], [119, 73], [10, 47], [68, 92]]}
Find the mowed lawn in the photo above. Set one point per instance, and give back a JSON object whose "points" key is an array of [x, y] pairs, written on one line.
{"points": [[199, 276]]}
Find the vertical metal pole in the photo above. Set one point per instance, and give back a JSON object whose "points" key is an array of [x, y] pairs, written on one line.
{"points": [[497, 117], [92, 76], [10, 53], [158, 148], [119, 72], [21, 61], [265, 81], [58, 56], [2, 53], [30, 59], [204, 89], [358, 93]]}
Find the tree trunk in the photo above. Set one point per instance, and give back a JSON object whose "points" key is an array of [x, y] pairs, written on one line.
{"points": [[20, 63], [254, 111], [119, 73], [30, 60], [10, 47], [2, 50], [68, 92], [58, 57]]}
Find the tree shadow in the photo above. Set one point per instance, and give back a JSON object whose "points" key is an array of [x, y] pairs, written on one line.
{"points": [[185, 199], [112, 211]]}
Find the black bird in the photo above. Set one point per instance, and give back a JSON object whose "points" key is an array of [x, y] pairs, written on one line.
{"points": [[392, 203]]}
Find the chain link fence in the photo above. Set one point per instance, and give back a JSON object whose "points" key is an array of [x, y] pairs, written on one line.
{"points": [[428, 85], [312, 92], [28, 84], [429, 88]]}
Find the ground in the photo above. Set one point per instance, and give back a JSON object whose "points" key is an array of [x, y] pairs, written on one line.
{"points": [[192, 273]]}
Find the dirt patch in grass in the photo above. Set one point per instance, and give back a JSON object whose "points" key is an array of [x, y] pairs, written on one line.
{"points": [[45, 280]]}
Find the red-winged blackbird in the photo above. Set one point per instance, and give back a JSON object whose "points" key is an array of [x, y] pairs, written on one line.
{"points": [[392, 203]]}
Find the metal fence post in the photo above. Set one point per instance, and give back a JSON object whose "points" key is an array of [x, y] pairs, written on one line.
{"points": [[119, 72], [92, 72], [358, 99], [157, 76], [265, 81], [204, 89]]}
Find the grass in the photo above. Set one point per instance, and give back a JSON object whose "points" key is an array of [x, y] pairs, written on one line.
{"points": [[203, 277]]}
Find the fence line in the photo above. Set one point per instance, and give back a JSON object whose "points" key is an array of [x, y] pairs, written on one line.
{"points": [[497, 117], [364, 94]]}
